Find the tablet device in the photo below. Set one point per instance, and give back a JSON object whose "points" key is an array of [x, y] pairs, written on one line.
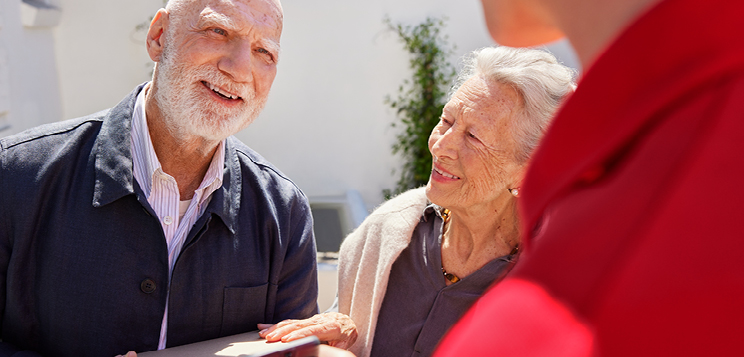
{"points": [[241, 345], [304, 347]]}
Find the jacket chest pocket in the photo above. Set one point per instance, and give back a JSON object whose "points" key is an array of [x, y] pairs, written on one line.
{"points": [[243, 308]]}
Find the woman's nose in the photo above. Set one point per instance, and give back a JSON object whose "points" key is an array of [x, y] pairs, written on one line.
{"points": [[444, 145]]}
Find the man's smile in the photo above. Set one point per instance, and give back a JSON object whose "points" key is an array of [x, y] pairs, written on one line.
{"points": [[221, 92]]}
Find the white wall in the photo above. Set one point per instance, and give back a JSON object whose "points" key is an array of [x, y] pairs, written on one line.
{"points": [[325, 125], [100, 56], [29, 91]]}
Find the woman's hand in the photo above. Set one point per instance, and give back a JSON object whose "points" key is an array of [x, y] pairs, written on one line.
{"points": [[335, 328]]}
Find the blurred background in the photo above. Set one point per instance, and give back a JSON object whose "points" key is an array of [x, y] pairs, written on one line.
{"points": [[326, 124]]}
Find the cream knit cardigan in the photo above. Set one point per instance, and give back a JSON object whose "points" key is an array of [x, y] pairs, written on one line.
{"points": [[365, 259]]}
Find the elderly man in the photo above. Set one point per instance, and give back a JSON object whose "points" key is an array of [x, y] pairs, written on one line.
{"points": [[147, 225], [633, 205]]}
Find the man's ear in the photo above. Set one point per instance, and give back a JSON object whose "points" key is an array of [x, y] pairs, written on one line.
{"points": [[155, 38]]}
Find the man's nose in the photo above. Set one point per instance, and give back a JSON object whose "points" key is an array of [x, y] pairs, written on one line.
{"points": [[237, 61]]}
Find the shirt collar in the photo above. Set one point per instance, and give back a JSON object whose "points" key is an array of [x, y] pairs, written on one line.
{"points": [[430, 211], [112, 150], [144, 160], [213, 177]]}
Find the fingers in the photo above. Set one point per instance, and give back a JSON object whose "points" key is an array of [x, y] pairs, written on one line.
{"points": [[288, 330], [301, 333], [335, 328], [265, 329]]}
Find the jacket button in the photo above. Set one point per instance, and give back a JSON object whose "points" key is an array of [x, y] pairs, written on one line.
{"points": [[147, 286]]}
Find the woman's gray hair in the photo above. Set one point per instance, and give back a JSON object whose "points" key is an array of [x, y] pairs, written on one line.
{"points": [[536, 75]]}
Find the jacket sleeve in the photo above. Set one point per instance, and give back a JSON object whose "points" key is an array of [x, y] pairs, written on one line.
{"points": [[6, 349], [297, 290], [5, 249]]}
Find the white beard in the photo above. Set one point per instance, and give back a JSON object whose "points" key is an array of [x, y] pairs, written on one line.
{"points": [[189, 113]]}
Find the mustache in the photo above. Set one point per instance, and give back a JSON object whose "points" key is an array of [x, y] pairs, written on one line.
{"points": [[218, 79], [205, 73]]}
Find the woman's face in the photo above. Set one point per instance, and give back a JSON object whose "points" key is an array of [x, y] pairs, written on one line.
{"points": [[473, 148]]}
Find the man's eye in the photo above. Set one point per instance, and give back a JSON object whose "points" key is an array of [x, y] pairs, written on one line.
{"points": [[266, 52], [446, 121], [219, 31]]}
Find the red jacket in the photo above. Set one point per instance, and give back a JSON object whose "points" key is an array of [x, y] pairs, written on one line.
{"points": [[633, 210]]}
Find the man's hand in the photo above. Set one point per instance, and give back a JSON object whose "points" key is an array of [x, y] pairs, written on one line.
{"points": [[335, 328], [134, 354]]}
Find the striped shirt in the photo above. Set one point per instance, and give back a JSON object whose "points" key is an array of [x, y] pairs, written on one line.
{"points": [[176, 217]]}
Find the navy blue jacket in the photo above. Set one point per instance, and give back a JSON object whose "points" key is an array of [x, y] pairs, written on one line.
{"points": [[83, 259]]}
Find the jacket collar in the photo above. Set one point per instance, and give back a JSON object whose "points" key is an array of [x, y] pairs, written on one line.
{"points": [[226, 199], [113, 153], [650, 69], [113, 165]]}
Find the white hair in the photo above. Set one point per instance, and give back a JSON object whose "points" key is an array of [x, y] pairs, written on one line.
{"points": [[542, 84]]}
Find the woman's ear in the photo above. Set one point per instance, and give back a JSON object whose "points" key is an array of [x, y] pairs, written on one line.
{"points": [[155, 39], [517, 179]]}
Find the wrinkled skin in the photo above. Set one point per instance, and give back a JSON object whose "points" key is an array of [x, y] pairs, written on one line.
{"points": [[473, 149], [337, 329], [216, 62]]}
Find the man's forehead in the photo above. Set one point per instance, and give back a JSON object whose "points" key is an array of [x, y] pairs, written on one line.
{"points": [[268, 12]]}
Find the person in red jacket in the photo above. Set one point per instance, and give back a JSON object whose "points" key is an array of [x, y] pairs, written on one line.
{"points": [[633, 208]]}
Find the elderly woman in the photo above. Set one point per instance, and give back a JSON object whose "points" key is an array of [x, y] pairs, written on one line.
{"points": [[420, 260]]}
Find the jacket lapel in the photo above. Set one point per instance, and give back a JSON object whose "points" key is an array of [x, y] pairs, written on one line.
{"points": [[112, 153]]}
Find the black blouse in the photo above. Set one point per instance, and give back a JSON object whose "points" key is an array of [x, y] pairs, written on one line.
{"points": [[419, 308]]}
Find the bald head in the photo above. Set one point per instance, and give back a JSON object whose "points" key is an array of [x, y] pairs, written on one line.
{"points": [[174, 4], [272, 8]]}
